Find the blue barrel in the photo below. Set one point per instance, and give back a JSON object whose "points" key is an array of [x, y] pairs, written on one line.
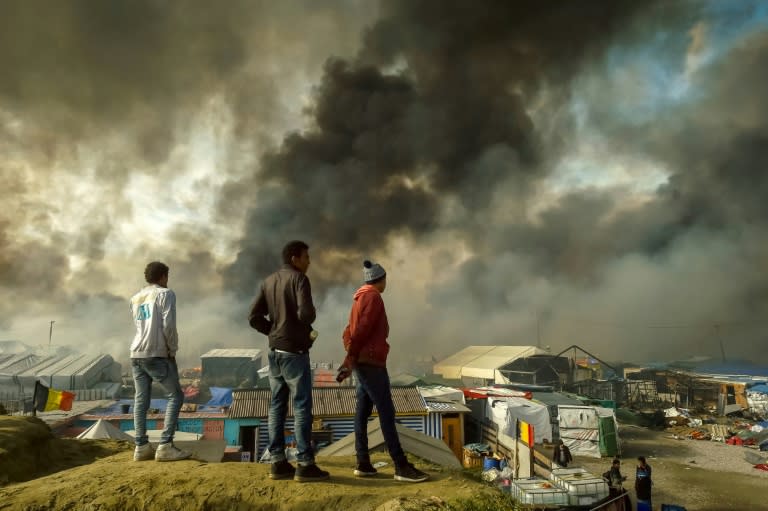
{"points": [[490, 462]]}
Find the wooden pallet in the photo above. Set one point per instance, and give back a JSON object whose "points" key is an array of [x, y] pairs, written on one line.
{"points": [[718, 432]]}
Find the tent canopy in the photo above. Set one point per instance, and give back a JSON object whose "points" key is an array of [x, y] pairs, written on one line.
{"points": [[506, 411], [482, 361], [104, 429]]}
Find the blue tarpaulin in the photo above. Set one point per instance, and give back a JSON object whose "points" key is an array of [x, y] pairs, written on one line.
{"points": [[220, 396], [760, 387]]}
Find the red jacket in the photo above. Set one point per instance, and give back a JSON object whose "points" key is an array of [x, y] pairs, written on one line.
{"points": [[365, 337]]}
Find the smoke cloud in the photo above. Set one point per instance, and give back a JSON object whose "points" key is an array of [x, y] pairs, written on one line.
{"points": [[527, 173]]}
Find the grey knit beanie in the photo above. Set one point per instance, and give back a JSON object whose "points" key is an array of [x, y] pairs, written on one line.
{"points": [[372, 271]]}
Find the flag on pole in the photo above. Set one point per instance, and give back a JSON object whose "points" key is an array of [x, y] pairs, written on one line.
{"points": [[525, 432], [46, 399]]}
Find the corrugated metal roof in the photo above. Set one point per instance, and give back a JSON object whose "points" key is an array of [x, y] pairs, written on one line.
{"points": [[182, 415], [232, 353], [414, 442], [447, 407], [326, 402], [555, 398], [34, 365], [482, 361]]}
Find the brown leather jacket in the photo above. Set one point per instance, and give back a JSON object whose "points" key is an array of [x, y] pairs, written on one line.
{"points": [[283, 310]]}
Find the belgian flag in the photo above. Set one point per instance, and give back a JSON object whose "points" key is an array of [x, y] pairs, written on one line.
{"points": [[46, 399], [525, 432]]}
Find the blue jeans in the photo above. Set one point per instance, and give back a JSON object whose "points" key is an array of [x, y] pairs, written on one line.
{"points": [[289, 373], [644, 505], [373, 389], [164, 372]]}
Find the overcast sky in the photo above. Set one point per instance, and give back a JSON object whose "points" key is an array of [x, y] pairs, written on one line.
{"points": [[558, 173]]}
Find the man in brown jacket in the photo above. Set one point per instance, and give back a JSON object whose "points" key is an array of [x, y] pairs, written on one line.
{"points": [[283, 310], [365, 340]]}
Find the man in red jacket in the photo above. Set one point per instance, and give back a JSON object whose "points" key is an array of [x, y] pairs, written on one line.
{"points": [[365, 340]]}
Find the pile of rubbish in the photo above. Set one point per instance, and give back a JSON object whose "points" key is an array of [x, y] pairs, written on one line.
{"points": [[735, 431], [732, 431]]}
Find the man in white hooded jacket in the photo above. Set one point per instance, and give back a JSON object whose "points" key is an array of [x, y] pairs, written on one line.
{"points": [[153, 358]]}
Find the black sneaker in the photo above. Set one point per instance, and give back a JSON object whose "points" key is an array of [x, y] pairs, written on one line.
{"points": [[410, 474], [282, 470], [365, 469], [305, 474]]}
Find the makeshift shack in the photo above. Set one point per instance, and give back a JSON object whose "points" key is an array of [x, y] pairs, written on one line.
{"points": [[506, 412], [589, 430]]}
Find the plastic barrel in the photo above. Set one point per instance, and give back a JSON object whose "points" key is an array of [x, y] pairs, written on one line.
{"points": [[490, 462]]}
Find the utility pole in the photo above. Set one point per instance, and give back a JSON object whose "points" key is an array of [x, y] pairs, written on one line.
{"points": [[50, 335], [538, 330], [720, 341]]}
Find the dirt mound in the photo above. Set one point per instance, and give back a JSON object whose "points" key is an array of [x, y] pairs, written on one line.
{"points": [[28, 449], [101, 475]]}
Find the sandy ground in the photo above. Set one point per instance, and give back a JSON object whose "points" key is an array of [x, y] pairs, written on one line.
{"points": [[698, 474], [109, 479], [46, 473]]}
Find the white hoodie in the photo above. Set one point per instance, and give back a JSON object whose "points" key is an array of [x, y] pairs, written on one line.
{"points": [[154, 311]]}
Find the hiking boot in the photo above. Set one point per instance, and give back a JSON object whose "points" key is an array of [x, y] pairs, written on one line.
{"points": [[410, 474], [309, 473], [143, 452], [365, 469], [169, 452], [281, 470]]}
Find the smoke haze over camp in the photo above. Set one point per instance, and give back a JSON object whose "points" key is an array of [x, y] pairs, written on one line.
{"points": [[526, 173]]}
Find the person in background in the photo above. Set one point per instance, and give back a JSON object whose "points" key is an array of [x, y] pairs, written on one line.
{"points": [[562, 454], [283, 311], [643, 484], [365, 340], [614, 477], [153, 358]]}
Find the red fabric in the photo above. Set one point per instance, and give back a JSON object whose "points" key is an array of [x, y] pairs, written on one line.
{"points": [[365, 337], [762, 466], [484, 392], [66, 400]]}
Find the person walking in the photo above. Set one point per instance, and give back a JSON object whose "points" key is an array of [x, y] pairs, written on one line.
{"points": [[562, 454], [283, 311], [153, 358], [643, 484], [365, 341]]}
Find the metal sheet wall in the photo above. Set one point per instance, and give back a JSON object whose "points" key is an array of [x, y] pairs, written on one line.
{"points": [[343, 426]]}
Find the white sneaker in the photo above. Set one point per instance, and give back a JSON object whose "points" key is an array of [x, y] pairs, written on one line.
{"points": [[169, 452], [143, 452]]}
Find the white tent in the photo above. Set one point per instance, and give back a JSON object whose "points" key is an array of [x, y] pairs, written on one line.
{"points": [[506, 411], [482, 361], [104, 429]]}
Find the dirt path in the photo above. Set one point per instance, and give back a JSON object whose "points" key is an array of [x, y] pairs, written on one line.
{"points": [[698, 474]]}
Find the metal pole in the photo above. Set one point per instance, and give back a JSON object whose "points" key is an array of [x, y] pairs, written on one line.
{"points": [[720, 341], [50, 334]]}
